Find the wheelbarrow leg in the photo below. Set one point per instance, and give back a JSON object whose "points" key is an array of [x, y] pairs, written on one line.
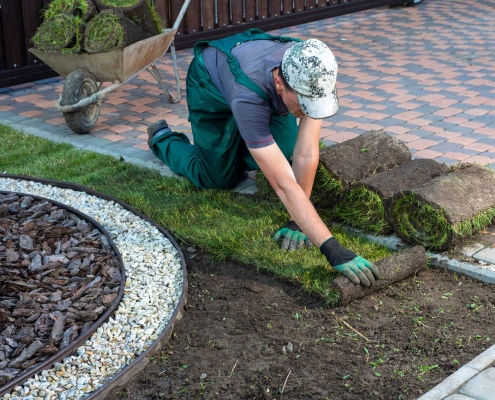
{"points": [[153, 70]]}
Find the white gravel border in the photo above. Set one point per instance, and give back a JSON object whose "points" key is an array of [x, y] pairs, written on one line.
{"points": [[152, 292]]}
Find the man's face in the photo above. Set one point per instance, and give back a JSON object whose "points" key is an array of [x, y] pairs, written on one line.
{"points": [[289, 97], [290, 100]]}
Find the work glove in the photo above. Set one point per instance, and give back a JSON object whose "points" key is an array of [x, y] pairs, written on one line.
{"points": [[293, 237], [356, 268]]}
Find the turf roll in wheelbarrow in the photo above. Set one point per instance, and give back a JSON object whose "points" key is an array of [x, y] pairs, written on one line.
{"points": [[368, 205], [111, 30], [447, 209], [62, 33], [85, 9], [139, 11], [63, 26], [394, 268]]}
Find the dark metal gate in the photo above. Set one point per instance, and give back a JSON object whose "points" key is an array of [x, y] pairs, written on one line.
{"points": [[205, 19]]}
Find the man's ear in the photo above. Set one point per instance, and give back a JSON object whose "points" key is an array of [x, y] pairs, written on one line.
{"points": [[279, 85]]}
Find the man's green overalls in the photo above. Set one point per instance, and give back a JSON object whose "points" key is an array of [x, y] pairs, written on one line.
{"points": [[219, 156]]}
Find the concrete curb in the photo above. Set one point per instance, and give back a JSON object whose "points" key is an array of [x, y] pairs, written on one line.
{"points": [[455, 381]]}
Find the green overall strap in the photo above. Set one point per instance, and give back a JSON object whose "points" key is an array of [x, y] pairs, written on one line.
{"points": [[227, 44]]}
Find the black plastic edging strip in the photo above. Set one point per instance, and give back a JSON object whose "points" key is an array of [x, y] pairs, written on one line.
{"points": [[136, 365], [61, 354]]}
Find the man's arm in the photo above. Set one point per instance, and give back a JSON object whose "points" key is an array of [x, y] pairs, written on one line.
{"points": [[306, 153], [279, 173]]}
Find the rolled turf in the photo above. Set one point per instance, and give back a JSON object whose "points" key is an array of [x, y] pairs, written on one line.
{"points": [[324, 187], [141, 12], [362, 156], [86, 9], [447, 209], [111, 30], [62, 33], [392, 269], [344, 164], [368, 205]]}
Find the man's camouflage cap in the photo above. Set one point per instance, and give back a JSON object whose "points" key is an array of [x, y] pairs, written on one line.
{"points": [[310, 69]]}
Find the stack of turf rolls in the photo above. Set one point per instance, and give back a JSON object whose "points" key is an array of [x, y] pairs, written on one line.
{"points": [[371, 182], [94, 26]]}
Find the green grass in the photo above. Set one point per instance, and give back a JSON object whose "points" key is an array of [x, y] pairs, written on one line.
{"points": [[120, 3], [129, 3], [326, 190], [155, 16], [225, 224], [474, 225]]}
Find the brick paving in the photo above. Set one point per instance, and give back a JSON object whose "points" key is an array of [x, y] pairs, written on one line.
{"points": [[425, 75]]}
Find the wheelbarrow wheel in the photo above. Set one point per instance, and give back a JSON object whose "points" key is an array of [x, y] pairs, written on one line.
{"points": [[79, 85]]}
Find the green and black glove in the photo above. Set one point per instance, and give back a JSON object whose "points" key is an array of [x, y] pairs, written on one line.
{"points": [[356, 268], [293, 237]]}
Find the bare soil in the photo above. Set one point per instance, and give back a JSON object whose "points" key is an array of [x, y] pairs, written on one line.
{"points": [[246, 335]]}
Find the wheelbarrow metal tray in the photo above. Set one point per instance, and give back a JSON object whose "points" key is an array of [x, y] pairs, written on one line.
{"points": [[111, 66]]}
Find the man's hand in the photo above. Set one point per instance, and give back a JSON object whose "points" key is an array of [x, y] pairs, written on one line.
{"points": [[293, 237], [356, 268]]}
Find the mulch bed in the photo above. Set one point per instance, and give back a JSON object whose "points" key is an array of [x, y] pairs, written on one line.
{"points": [[248, 336], [58, 274]]}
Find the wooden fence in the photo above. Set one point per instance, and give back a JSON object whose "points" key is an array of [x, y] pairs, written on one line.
{"points": [[205, 19]]}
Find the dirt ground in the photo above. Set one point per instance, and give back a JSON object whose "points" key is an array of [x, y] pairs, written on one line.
{"points": [[246, 335]]}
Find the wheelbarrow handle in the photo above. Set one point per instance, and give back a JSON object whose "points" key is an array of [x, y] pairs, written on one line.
{"points": [[181, 14]]}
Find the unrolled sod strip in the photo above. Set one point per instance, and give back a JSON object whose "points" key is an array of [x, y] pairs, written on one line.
{"points": [[447, 209], [368, 205], [394, 268], [152, 292]]}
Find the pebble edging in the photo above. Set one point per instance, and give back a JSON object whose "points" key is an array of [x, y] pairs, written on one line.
{"points": [[154, 296]]}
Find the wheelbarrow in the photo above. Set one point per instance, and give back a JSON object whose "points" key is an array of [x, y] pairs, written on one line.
{"points": [[85, 73]]}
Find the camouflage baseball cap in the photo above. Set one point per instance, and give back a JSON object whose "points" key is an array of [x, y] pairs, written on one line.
{"points": [[310, 69]]}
